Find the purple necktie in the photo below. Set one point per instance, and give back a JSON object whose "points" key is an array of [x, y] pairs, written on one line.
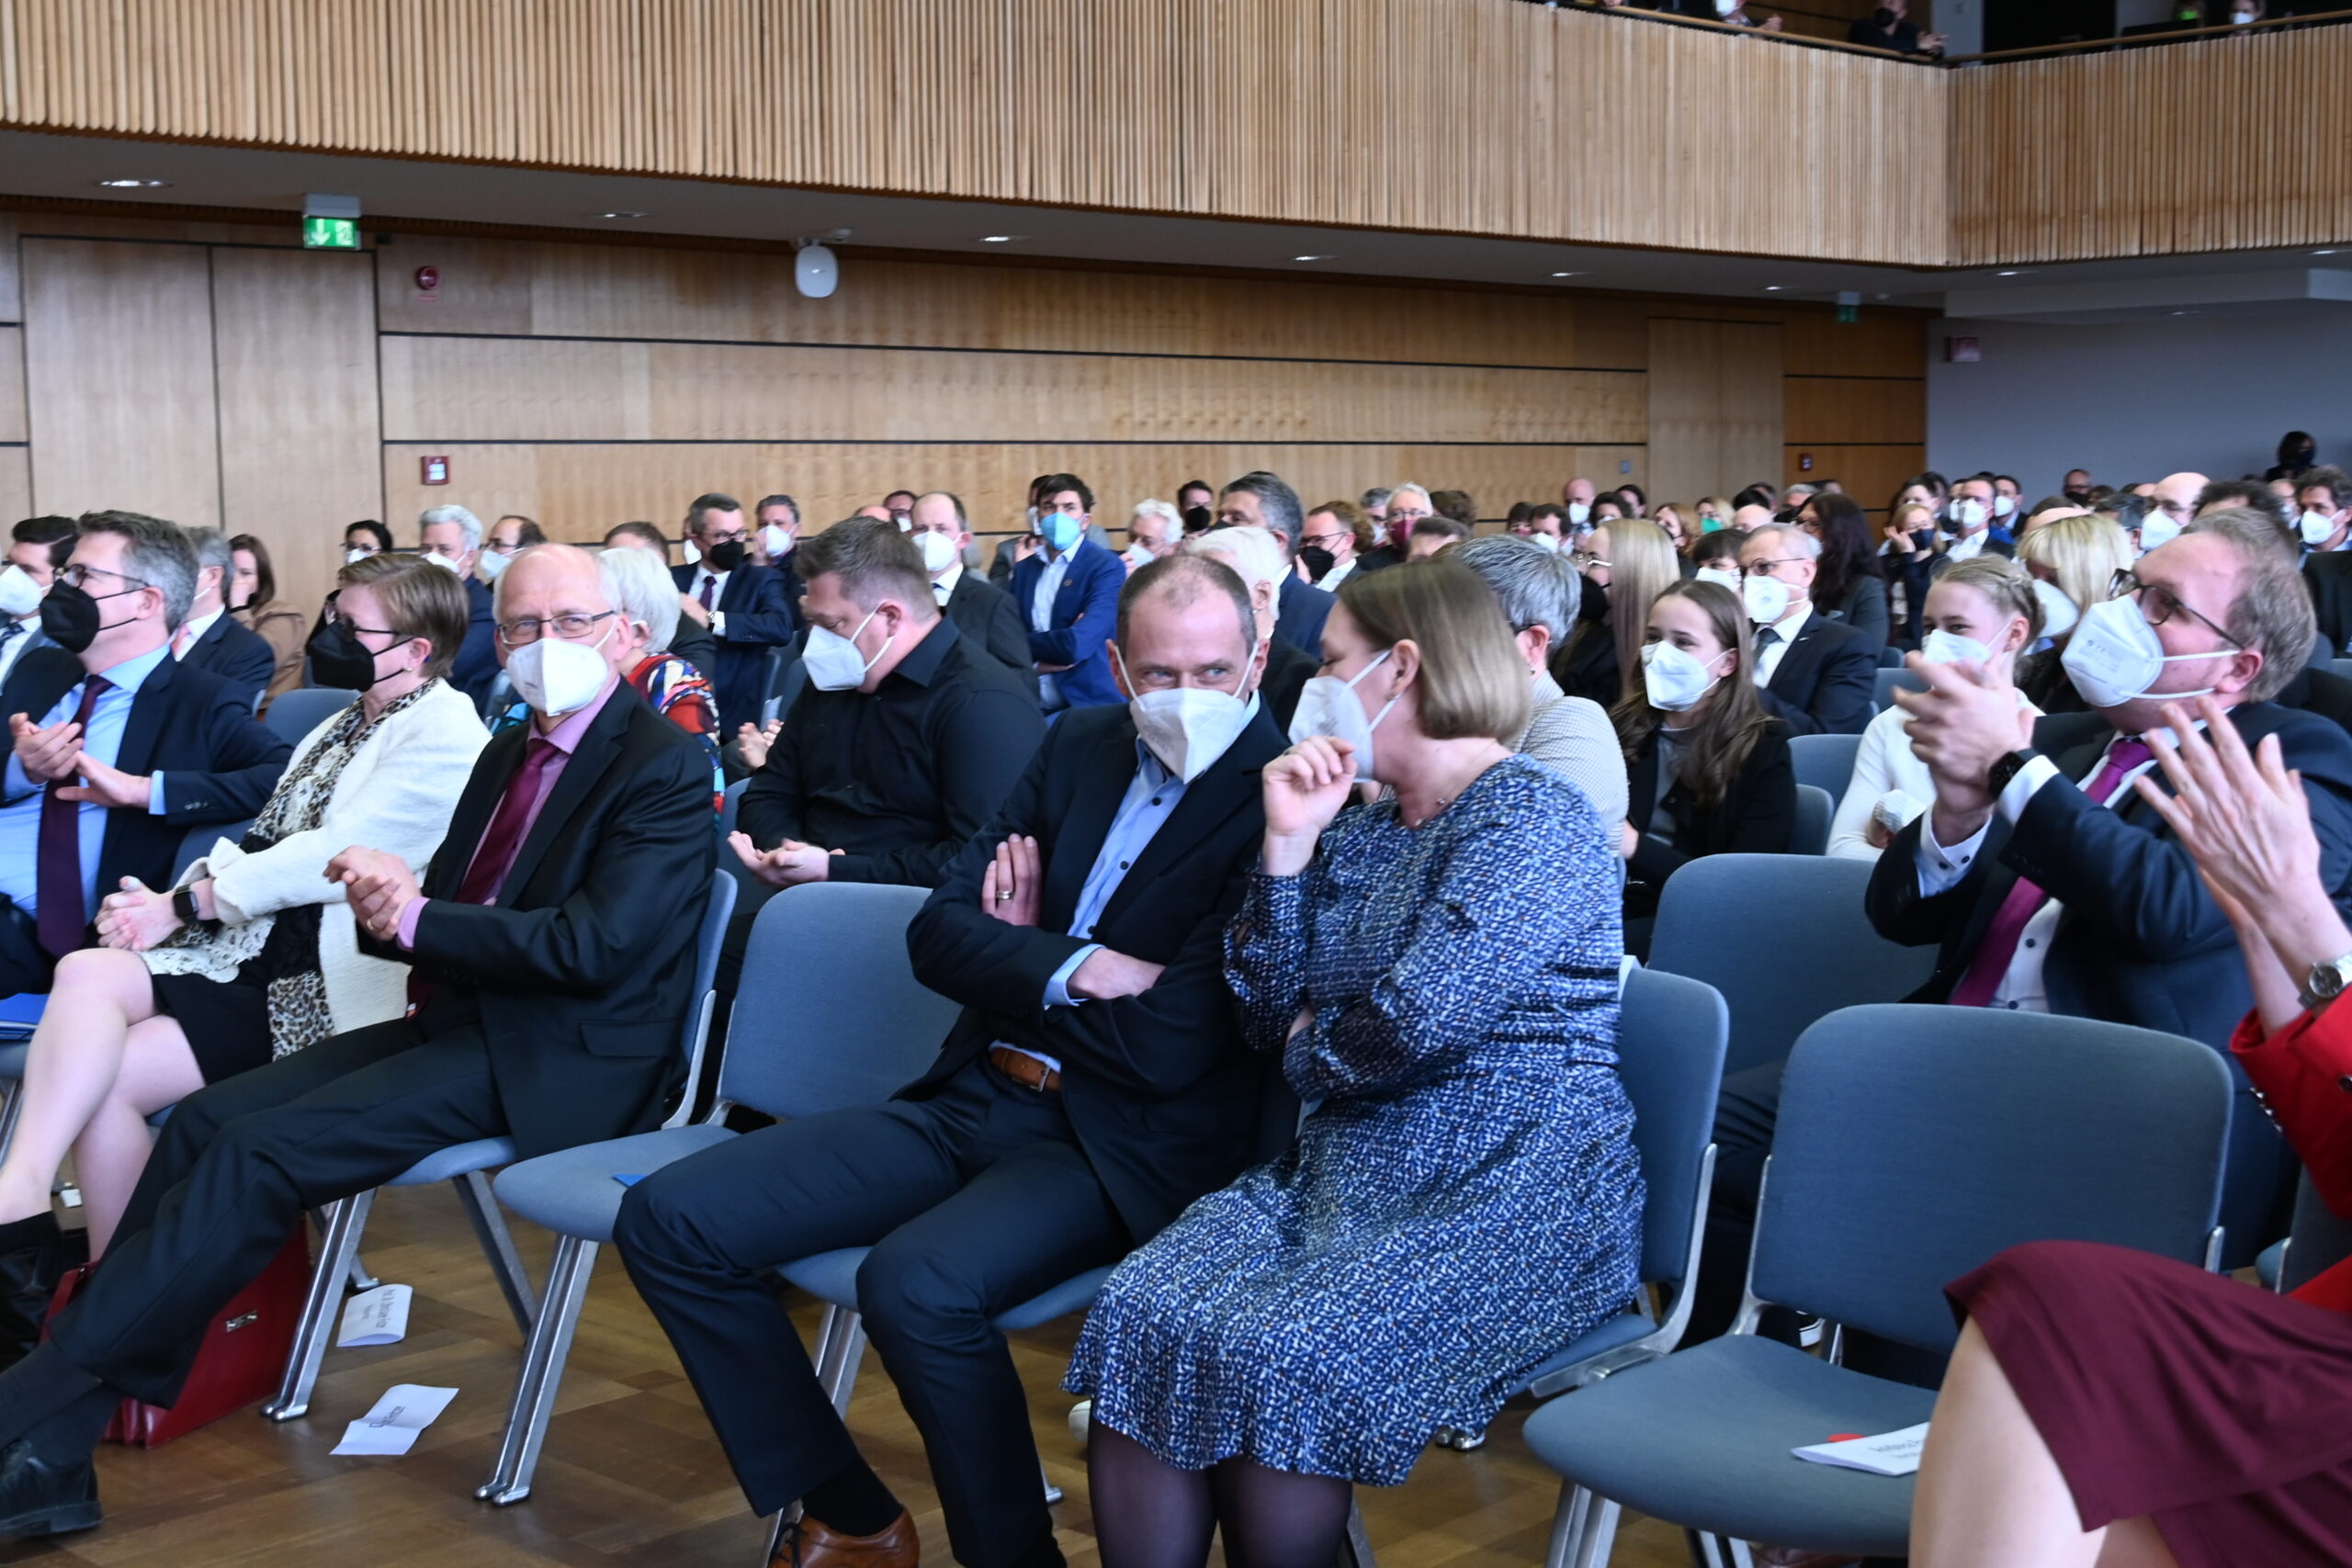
{"points": [[709, 586], [505, 836], [1999, 948], [62, 914]]}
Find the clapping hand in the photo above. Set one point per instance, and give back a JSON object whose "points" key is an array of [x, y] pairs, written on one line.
{"points": [[107, 785], [47, 755], [136, 918], [788, 864], [1012, 883], [2240, 814], [1965, 721], [379, 886], [752, 742]]}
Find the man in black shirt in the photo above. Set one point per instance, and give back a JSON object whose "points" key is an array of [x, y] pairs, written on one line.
{"points": [[905, 743]]}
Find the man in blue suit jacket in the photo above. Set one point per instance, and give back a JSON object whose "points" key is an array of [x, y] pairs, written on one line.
{"points": [[451, 536], [1262, 500], [1067, 593], [747, 608]]}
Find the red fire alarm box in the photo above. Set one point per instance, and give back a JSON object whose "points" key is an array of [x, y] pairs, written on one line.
{"points": [[436, 470], [1804, 462], [1962, 351], [428, 278]]}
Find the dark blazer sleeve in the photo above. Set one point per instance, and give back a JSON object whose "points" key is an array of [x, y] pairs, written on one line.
{"points": [[1843, 689], [240, 763], [1900, 912], [981, 745], [1866, 611], [476, 665], [246, 660], [1008, 637], [1758, 819], [1082, 639], [695, 644], [591, 941], [761, 613], [772, 809]]}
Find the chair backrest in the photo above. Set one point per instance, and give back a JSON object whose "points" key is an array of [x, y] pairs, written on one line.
{"points": [[293, 715], [1825, 762], [829, 1012], [1784, 939], [2341, 666], [197, 842], [1914, 1142], [2320, 1241], [790, 682], [709, 937], [1671, 1034], [728, 806], [1816, 808], [1892, 680]]}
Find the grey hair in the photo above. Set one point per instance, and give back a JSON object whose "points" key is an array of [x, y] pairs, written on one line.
{"points": [[1374, 497], [1530, 582], [211, 547], [1164, 512], [1277, 503], [1797, 539], [1421, 490], [640, 587], [1252, 554], [468, 525], [155, 552]]}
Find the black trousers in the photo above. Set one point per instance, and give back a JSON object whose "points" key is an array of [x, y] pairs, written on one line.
{"points": [[973, 1200], [25, 965], [236, 1167]]}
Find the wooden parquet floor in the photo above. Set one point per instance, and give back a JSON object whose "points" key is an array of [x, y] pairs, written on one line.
{"points": [[631, 1476]]}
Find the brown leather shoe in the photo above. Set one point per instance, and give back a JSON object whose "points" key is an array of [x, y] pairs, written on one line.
{"points": [[807, 1544]]}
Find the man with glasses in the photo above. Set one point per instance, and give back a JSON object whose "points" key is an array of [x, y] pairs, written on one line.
{"points": [[118, 748], [2049, 884], [1818, 676], [745, 606]]}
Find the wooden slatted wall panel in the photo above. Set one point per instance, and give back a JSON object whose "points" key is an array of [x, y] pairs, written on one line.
{"points": [[1465, 116]]}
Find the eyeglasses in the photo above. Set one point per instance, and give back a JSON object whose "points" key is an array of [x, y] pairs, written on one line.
{"points": [[1407, 514], [1583, 562], [79, 575], [738, 536], [1764, 568], [571, 628], [1321, 541], [2161, 604], [346, 624]]}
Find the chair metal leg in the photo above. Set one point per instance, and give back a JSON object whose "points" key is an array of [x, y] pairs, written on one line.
{"points": [[837, 1357], [345, 1220], [1356, 1550], [1599, 1534], [11, 1110], [775, 1532], [361, 1280], [1053, 1492], [542, 1373], [1568, 1525], [498, 1245]]}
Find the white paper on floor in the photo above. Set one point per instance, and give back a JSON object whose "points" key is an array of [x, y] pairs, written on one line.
{"points": [[391, 1428], [376, 1317], [1889, 1454]]}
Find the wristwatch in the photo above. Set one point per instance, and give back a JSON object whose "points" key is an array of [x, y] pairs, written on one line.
{"points": [[184, 904], [2007, 767], [2327, 981]]}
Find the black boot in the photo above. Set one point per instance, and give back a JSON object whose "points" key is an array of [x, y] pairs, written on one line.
{"points": [[45, 1497], [29, 1273]]}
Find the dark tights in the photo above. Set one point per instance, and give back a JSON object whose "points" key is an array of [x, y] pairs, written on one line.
{"points": [[1148, 1513]]}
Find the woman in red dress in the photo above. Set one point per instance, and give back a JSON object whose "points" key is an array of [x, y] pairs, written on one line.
{"points": [[2111, 1409]]}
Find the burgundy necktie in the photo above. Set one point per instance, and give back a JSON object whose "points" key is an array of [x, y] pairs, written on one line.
{"points": [[1999, 948], [61, 914], [496, 856], [709, 586]]}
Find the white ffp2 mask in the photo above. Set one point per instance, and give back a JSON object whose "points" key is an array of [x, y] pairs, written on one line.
{"points": [[1328, 706], [1673, 678], [835, 663], [558, 677], [2114, 657]]}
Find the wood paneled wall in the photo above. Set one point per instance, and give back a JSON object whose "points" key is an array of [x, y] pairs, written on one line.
{"points": [[1716, 406], [1463, 115]]}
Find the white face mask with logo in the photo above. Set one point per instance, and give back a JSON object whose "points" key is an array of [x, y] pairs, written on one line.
{"points": [[835, 663], [1187, 727], [557, 677], [1768, 599], [1328, 706], [19, 594], [2114, 657], [1673, 677], [939, 551]]}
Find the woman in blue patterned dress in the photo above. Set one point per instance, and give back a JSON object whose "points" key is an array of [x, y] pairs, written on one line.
{"points": [[1438, 971]]}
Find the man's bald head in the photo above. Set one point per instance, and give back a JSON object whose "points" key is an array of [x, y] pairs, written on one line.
{"points": [[1747, 519], [2176, 493], [547, 585]]}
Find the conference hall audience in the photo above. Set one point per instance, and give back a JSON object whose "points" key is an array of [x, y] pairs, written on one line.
{"points": [[365, 538], [253, 599], [1431, 534], [1715, 559], [1253, 556], [1439, 966], [2323, 508], [214, 640], [1623, 565], [983, 612], [1848, 586], [38, 548], [1969, 512], [671, 686], [1154, 530], [1572, 736], [2110, 1405], [1983, 612], [1815, 675], [2074, 562], [1336, 539], [691, 640], [1547, 527], [1707, 765], [745, 607], [118, 748], [1408, 507], [1068, 590], [252, 954], [1456, 505], [1890, 27], [507, 538], [1096, 1084], [551, 939], [1259, 499], [450, 538]]}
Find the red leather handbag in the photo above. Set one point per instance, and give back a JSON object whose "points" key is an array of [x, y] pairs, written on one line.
{"points": [[242, 1356]]}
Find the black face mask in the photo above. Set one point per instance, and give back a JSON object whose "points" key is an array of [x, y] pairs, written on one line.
{"points": [[725, 557], [1884, 17], [1595, 603], [69, 615], [1318, 562], [340, 660]]}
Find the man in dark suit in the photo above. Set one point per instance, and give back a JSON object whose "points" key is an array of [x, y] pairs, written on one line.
{"points": [[157, 747], [983, 612], [1970, 513], [1261, 500], [775, 533], [1256, 557], [744, 606], [212, 638], [451, 536], [553, 939], [1095, 1084], [1067, 593], [38, 548], [1818, 676]]}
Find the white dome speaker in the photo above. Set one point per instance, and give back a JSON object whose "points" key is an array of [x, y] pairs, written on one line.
{"points": [[815, 272]]}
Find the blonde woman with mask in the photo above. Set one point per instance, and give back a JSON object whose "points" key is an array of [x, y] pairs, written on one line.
{"points": [[2072, 561]]}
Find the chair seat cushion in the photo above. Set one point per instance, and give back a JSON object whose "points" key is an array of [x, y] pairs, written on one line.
{"points": [[457, 1160], [20, 1012], [12, 1059], [573, 1192], [1621, 1330], [1701, 1438], [831, 1277]]}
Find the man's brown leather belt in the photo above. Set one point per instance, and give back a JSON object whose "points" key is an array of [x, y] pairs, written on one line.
{"points": [[1026, 1071]]}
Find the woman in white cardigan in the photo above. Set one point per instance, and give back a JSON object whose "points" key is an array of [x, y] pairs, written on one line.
{"points": [[1983, 609], [255, 954]]}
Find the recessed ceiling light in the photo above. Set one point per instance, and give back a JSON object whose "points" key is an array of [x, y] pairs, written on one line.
{"points": [[1003, 238], [624, 213], [1570, 275], [2007, 272], [1314, 258], [1775, 288], [2323, 252], [2180, 312], [134, 184]]}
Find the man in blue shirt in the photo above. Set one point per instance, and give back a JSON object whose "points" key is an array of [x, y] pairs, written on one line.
{"points": [[1096, 1084], [118, 749], [1069, 592]]}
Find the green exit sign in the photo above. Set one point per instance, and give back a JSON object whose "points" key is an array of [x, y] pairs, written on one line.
{"points": [[329, 233]]}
